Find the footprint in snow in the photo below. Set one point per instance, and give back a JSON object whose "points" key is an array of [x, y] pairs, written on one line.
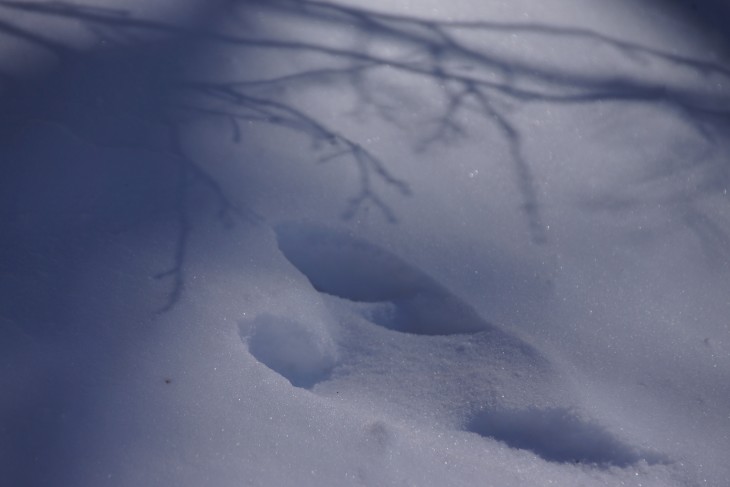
{"points": [[408, 346]]}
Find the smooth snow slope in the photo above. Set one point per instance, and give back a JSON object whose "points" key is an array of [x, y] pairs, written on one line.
{"points": [[371, 243]]}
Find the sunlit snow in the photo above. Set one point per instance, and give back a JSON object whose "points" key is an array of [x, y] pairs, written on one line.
{"points": [[428, 243]]}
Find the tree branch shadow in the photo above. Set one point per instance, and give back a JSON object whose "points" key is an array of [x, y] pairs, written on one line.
{"points": [[474, 79]]}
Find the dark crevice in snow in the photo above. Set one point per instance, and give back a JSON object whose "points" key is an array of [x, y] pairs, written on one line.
{"points": [[558, 435], [289, 348], [345, 266], [407, 299]]}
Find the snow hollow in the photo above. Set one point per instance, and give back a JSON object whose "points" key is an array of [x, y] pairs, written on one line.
{"points": [[348, 242]]}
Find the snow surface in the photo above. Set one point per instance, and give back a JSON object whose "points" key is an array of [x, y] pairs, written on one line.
{"points": [[496, 252]]}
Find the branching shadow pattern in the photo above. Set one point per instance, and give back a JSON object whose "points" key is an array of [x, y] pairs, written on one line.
{"points": [[474, 79]]}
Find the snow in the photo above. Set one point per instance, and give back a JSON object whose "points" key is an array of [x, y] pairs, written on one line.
{"points": [[373, 252]]}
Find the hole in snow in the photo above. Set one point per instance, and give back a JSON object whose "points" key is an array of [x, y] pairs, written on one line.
{"points": [[342, 265], [408, 300], [290, 349], [557, 435]]}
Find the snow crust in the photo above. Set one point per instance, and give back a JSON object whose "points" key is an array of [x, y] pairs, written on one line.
{"points": [[467, 314]]}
